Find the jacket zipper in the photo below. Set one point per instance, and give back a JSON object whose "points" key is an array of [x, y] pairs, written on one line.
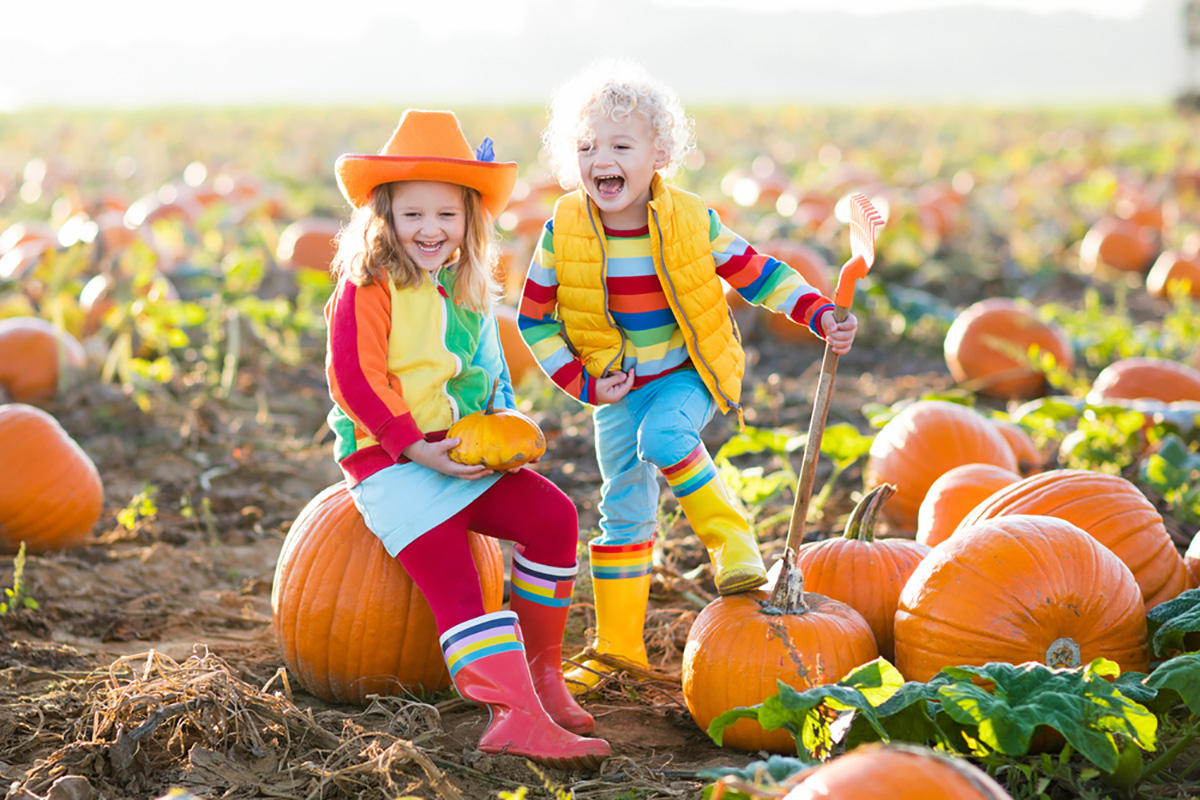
{"points": [[604, 283], [662, 259]]}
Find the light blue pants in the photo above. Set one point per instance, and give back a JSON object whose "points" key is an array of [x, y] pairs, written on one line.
{"points": [[651, 428]]}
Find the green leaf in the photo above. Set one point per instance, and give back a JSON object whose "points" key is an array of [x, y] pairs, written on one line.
{"points": [[1082, 705], [844, 444], [758, 440], [773, 771], [1182, 676], [1171, 621]]}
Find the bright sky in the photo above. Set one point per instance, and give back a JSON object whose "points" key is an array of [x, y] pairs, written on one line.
{"points": [[64, 24], [81, 52]]}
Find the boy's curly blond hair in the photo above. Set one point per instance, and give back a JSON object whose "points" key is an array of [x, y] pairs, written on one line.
{"points": [[613, 89]]}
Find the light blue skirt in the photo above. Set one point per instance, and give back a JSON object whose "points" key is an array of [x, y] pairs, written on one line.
{"points": [[403, 501]]}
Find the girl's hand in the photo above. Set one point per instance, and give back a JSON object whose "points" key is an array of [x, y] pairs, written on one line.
{"points": [[613, 387], [839, 335], [435, 455]]}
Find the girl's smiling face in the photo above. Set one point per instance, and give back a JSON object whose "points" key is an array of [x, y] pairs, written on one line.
{"points": [[430, 221], [616, 165]]}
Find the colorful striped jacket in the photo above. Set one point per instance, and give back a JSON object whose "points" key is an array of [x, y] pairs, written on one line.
{"points": [[405, 364]]}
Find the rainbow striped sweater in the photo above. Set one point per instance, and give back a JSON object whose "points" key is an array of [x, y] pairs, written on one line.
{"points": [[638, 305]]}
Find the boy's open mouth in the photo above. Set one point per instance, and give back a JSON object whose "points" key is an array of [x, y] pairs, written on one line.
{"points": [[609, 185]]}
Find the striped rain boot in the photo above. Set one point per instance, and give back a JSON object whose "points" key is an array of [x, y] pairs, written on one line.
{"points": [[717, 521], [486, 658], [621, 586]]}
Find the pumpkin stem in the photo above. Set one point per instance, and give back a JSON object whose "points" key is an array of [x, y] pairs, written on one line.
{"points": [[788, 594], [491, 403], [861, 525]]}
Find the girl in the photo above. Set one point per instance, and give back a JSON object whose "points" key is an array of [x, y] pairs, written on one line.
{"points": [[412, 347]]}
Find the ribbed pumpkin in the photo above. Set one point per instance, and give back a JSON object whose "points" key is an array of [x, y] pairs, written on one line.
{"points": [[348, 619], [924, 441], [1022, 444], [897, 772], [988, 347], [51, 496], [1015, 589], [1171, 267], [861, 571], [36, 359], [954, 495], [496, 438], [1110, 508], [740, 646], [1144, 377]]}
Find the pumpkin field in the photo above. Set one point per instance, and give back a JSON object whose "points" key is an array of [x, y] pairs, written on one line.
{"points": [[998, 578]]}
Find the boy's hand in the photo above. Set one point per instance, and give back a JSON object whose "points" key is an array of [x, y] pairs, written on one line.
{"points": [[435, 455], [613, 387], [839, 335]]}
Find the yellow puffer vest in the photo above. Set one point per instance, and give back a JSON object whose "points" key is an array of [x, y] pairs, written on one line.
{"points": [[682, 251]]}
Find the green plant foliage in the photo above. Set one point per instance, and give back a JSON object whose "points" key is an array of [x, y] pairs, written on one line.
{"points": [[1174, 472], [1172, 621], [17, 596]]}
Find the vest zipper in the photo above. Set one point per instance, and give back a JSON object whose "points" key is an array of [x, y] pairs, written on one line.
{"points": [[662, 259], [604, 283]]}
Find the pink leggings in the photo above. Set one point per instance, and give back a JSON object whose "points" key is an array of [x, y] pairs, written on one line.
{"points": [[522, 507]]}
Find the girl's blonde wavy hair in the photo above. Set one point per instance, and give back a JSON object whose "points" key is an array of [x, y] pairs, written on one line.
{"points": [[368, 250], [613, 89]]}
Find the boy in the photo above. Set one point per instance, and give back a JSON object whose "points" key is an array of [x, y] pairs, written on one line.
{"points": [[624, 309]]}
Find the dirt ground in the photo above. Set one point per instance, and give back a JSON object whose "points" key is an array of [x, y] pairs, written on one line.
{"points": [[150, 662]]}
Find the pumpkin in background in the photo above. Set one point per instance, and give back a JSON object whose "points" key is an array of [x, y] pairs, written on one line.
{"points": [[308, 243], [924, 441], [52, 496], [956, 494], [1143, 377], [1111, 509], [37, 360], [896, 772], [861, 571], [496, 438], [740, 647], [517, 355], [1171, 267], [348, 619], [1120, 244], [1029, 459], [988, 345], [1020, 588]]}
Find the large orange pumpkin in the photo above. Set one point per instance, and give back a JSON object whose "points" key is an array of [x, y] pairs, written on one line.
{"points": [[740, 647], [52, 496], [1111, 509], [897, 772], [1029, 459], [1020, 588], [36, 359], [988, 347], [1171, 267], [924, 441], [861, 571], [1143, 377], [347, 617], [954, 495]]}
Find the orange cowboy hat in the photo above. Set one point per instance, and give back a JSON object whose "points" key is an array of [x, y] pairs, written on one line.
{"points": [[428, 146]]}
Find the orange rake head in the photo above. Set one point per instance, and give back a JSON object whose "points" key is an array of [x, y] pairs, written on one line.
{"points": [[864, 221]]}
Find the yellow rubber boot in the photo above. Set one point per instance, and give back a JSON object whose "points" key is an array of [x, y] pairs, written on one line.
{"points": [[621, 587], [721, 526]]}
